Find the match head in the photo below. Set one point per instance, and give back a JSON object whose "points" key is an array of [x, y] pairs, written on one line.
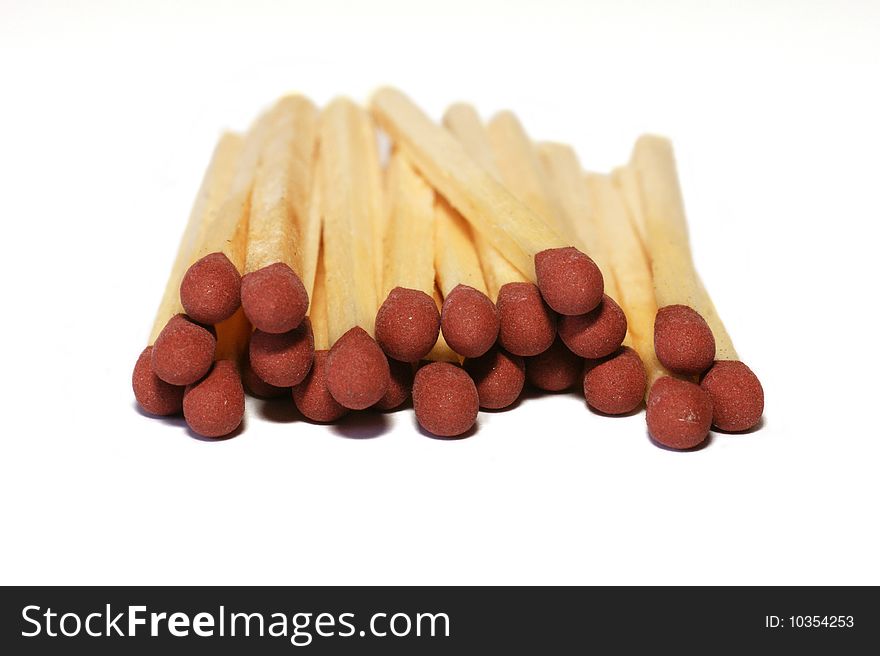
{"points": [[683, 340], [211, 289], [555, 370], [570, 282], [152, 393], [615, 385], [679, 413], [214, 406], [357, 370], [399, 385], [283, 360], [407, 324], [183, 351], [498, 376], [256, 386], [528, 326], [445, 399], [597, 333], [311, 396], [737, 395], [470, 321], [274, 298]]}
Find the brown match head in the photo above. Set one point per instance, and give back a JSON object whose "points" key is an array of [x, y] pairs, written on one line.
{"points": [[311, 396], [283, 360], [469, 321], [555, 370], [737, 395], [214, 406], [357, 370], [211, 289], [445, 399], [570, 282], [152, 393], [679, 413], [597, 333], [528, 326], [498, 376], [407, 324], [274, 298], [683, 340], [399, 385], [183, 351], [256, 386], [616, 384]]}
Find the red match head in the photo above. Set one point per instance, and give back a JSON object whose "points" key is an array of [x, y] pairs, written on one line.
{"points": [[152, 393], [683, 340], [555, 370], [283, 360], [211, 289], [498, 376], [399, 385], [214, 406], [679, 413], [737, 395], [597, 333], [470, 321], [357, 370], [274, 298], [615, 385], [445, 399], [256, 386], [570, 282], [407, 324], [183, 351], [312, 397], [528, 326]]}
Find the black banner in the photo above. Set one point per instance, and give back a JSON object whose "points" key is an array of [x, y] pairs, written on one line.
{"points": [[392, 620]]}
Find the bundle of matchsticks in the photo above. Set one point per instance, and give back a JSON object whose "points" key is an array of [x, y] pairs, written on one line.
{"points": [[470, 263]]}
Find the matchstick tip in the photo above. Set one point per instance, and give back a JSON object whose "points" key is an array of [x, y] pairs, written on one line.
{"points": [[214, 407], [597, 333], [615, 385], [555, 370], [528, 326], [256, 386], [183, 351], [683, 340], [283, 359], [737, 395], [570, 282], [499, 377], [679, 413], [470, 321], [152, 393], [399, 385], [210, 291], [274, 298], [445, 399], [407, 324], [311, 396], [357, 370]]}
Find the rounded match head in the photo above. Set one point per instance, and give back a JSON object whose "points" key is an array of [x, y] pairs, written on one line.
{"points": [[256, 386], [311, 396], [469, 321], [683, 340], [357, 370], [528, 326], [616, 384], [498, 376], [152, 393], [570, 282], [283, 360], [214, 406], [597, 333], [274, 298], [407, 324], [555, 370], [737, 395], [183, 351], [399, 385], [679, 413], [211, 289], [445, 399]]}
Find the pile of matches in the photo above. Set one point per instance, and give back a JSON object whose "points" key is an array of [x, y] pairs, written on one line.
{"points": [[453, 274]]}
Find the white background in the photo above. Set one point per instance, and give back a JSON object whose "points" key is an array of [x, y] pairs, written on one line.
{"points": [[108, 114]]}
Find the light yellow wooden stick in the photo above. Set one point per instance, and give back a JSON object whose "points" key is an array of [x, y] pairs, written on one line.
{"points": [[348, 220], [409, 242], [311, 232], [318, 309], [724, 349], [507, 223], [211, 195], [465, 124], [232, 336], [627, 182], [455, 257]]}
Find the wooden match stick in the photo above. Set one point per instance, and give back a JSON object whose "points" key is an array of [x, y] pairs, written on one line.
{"points": [[272, 292], [357, 370], [469, 320], [407, 323], [188, 348], [569, 281], [679, 412], [683, 340], [527, 325]]}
